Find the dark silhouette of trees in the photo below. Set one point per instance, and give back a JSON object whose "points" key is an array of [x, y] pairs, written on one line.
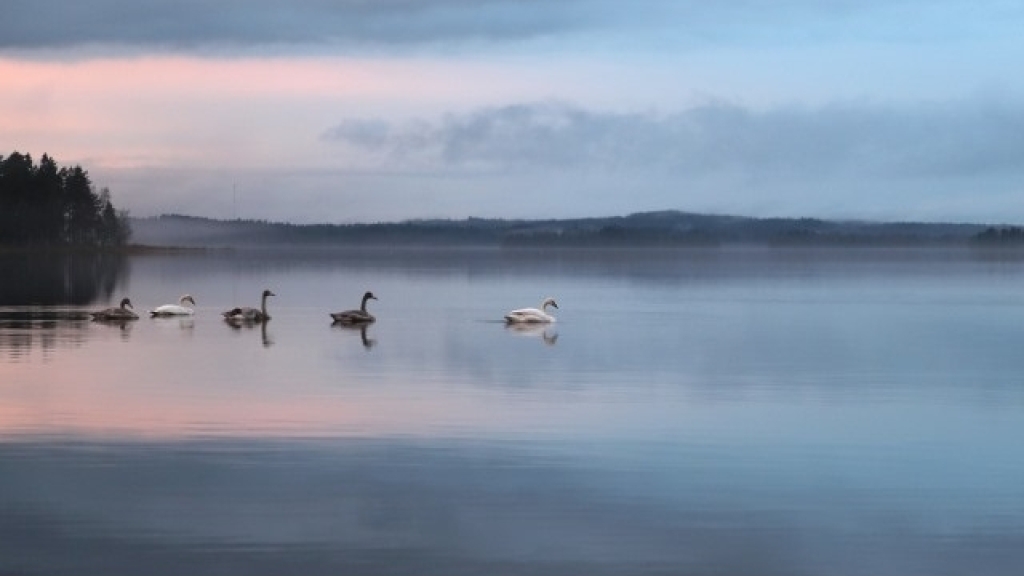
{"points": [[47, 205], [1010, 235], [645, 229]]}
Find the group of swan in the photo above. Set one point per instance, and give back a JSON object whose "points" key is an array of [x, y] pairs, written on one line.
{"points": [[257, 315], [125, 310], [241, 314]]}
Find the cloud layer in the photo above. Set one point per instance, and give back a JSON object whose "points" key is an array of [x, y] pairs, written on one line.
{"points": [[378, 23], [192, 23], [962, 139], [954, 161]]}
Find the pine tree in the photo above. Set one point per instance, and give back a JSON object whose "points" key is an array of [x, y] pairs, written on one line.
{"points": [[47, 205]]}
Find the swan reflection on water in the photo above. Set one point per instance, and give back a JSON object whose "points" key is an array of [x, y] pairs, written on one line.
{"points": [[125, 325], [543, 331], [182, 322], [122, 323], [237, 323], [362, 329]]}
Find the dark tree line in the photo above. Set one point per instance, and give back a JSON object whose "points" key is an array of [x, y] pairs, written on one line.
{"points": [[1000, 236], [49, 205], [645, 229]]}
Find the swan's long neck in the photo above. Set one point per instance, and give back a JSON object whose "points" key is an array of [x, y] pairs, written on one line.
{"points": [[363, 305], [263, 305]]}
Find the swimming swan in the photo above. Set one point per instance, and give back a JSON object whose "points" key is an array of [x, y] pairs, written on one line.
{"points": [[247, 314], [120, 313], [532, 315], [360, 316], [178, 309]]}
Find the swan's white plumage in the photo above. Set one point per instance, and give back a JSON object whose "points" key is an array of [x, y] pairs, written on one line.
{"points": [[178, 309], [532, 315]]}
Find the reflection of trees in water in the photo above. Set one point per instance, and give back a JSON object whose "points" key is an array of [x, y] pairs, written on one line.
{"points": [[40, 279], [23, 329], [35, 284]]}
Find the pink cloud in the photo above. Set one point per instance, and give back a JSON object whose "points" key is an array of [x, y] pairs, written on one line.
{"points": [[171, 110]]}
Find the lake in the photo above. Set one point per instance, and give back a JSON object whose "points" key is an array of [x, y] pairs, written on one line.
{"points": [[709, 411]]}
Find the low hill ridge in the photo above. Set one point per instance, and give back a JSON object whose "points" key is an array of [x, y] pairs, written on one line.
{"points": [[660, 228]]}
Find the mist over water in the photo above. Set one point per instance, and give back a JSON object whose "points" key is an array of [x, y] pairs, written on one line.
{"points": [[738, 411]]}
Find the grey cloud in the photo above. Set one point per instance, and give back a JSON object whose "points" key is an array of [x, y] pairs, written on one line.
{"points": [[376, 24], [962, 139], [191, 23], [372, 134]]}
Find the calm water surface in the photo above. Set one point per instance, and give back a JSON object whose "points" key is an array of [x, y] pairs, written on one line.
{"points": [[734, 411]]}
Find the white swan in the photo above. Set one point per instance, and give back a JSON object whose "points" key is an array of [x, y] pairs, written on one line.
{"points": [[532, 315], [360, 316], [116, 314], [178, 309], [247, 314]]}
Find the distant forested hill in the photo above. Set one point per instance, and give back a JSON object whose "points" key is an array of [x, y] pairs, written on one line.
{"points": [[667, 228], [49, 205]]}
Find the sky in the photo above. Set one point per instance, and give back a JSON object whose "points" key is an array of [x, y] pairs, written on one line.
{"points": [[339, 111]]}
